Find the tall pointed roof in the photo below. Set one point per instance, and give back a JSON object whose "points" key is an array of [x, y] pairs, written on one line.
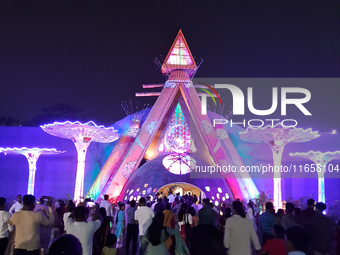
{"points": [[179, 57]]}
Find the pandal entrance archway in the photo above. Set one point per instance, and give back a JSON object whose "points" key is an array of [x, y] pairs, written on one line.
{"points": [[182, 188]]}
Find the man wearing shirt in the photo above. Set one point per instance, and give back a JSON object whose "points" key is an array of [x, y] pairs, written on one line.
{"points": [[83, 230], [207, 215], [4, 217], [16, 206], [132, 228], [107, 205], [27, 226], [143, 217], [267, 222]]}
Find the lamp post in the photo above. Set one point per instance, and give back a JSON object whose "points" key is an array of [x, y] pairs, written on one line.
{"points": [[32, 155], [277, 137], [320, 159], [81, 134]]}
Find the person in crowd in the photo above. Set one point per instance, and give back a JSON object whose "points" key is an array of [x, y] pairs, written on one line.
{"points": [[143, 217], [191, 221], [127, 206], [298, 241], [120, 220], [251, 213], [307, 217], [176, 202], [322, 231], [132, 228], [288, 219], [267, 222], [192, 203], [169, 222], [110, 247], [309, 212], [41, 207], [57, 225], [27, 226], [276, 245], [148, 202], [16, 206], [280, 213], [154, 240], [161, 195], [181, 220], [297, 212], [4, 230], [171, 197], [207, 215], [78, 226], [222, 220], [178, 206], [159, 207], [108, 207], [239, 232], [66, 245], [70, 209], [104, 229], [193, 215]]}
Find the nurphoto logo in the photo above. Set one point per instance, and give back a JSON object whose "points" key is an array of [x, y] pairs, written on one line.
{"points": [[239, 104]]}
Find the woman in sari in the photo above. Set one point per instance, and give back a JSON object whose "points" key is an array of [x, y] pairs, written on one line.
{"points": [[120, 225], [153, 241], [169, 221]]}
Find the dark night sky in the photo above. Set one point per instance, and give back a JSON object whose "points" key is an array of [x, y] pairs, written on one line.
{"points": [[99, 53]]}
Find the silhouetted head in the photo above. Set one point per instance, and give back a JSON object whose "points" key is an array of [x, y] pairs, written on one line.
{"points": [[19, 198], [206, 201], [311, 203], [320, 207], [269, 206], [192, 211], [142, 201], [106, 197], [227, 212], [133, 203], [111, 240], [279, 231], [29, 202], [66, 245], [238, 209], [297, 239], [102, 212], [290, 207], [71, 206], [297, 212], [2, 203], [80, 213]]}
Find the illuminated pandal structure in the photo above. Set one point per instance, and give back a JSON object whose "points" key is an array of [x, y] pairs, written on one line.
{"points": [[320, 159], [81, 134], [277, 137], [32, 155]]}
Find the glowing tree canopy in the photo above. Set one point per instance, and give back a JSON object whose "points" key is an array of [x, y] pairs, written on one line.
{"points": [[81, 134], [277, 137], [320, 159], [32, 155]]}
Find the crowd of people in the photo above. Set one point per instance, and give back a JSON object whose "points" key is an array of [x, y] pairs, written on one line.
{"points": [[169, 225]]}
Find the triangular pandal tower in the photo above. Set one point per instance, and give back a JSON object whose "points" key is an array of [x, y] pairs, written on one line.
{"points": [[143, 142], [179, 57]]}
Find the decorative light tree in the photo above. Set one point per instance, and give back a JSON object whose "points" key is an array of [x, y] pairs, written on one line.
{"points": [[32, 155], [277, 137], [321, 159], [81, 134]]}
